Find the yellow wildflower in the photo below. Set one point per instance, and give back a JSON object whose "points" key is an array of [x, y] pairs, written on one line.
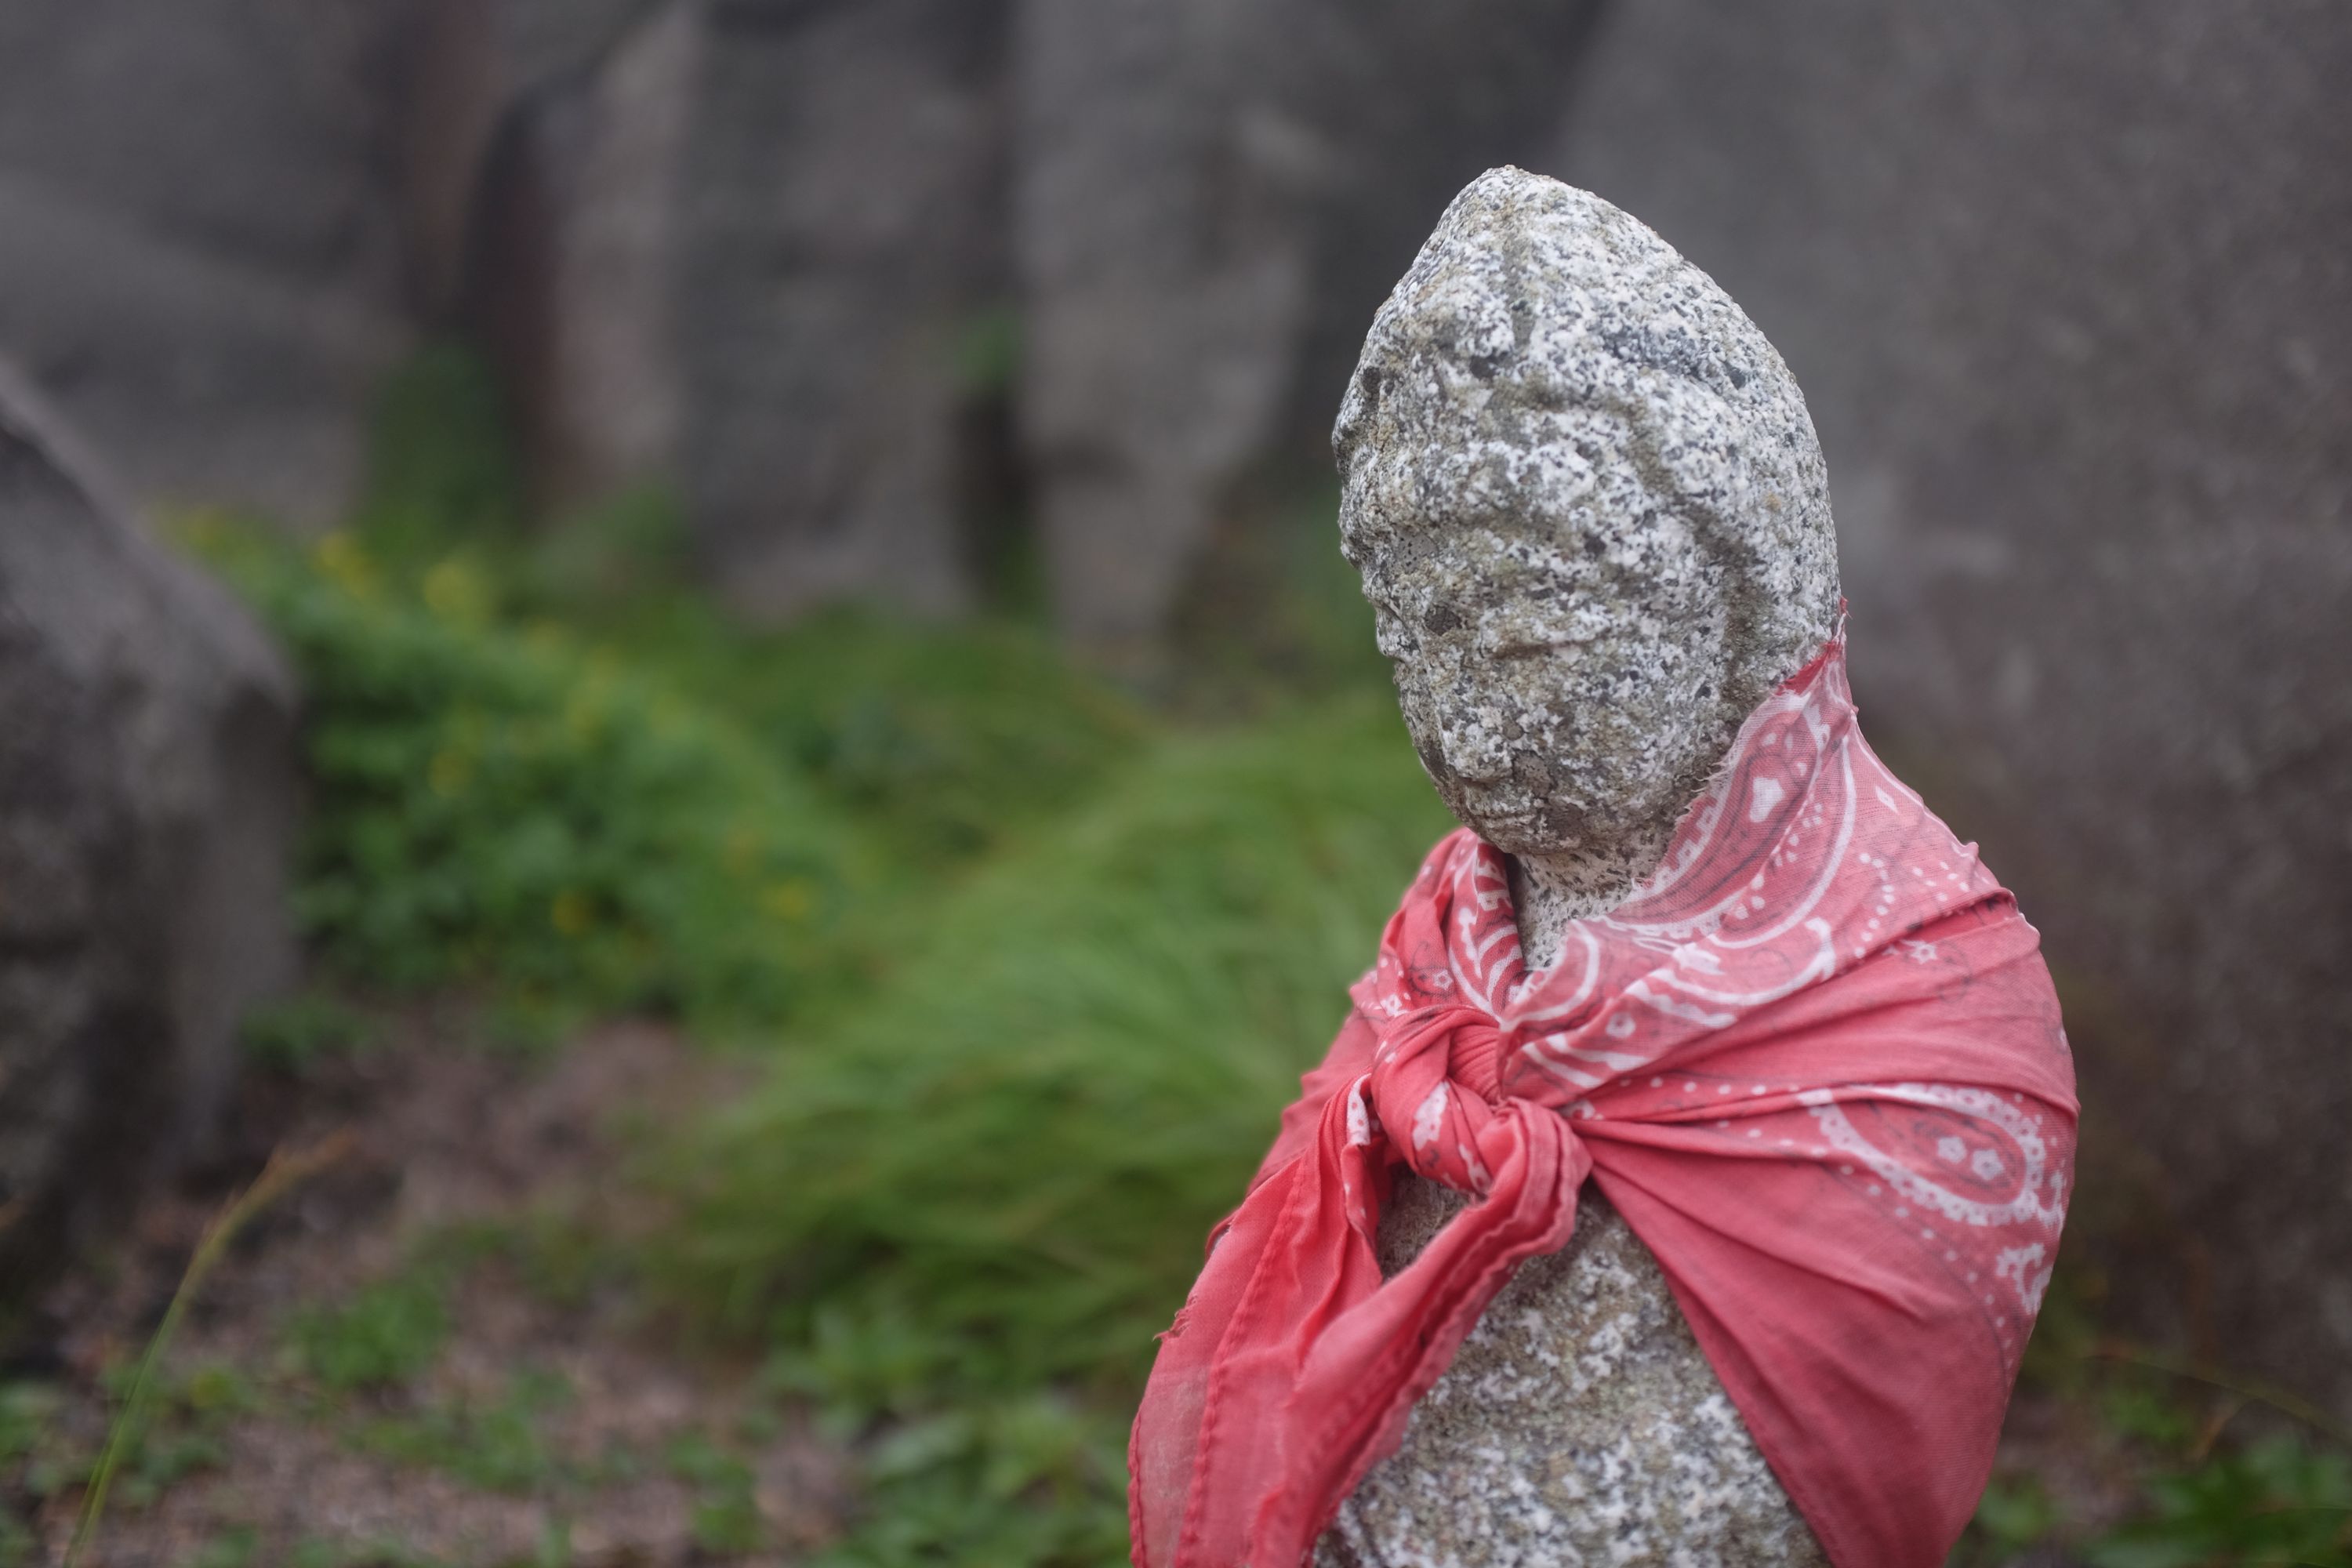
{"points": [[569, 913]]}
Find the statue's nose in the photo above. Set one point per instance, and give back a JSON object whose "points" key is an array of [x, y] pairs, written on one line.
{"points": [[1473, 752]]}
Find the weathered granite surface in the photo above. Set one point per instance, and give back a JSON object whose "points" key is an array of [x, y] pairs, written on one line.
{"points": [[1594, 525], [1591, 518], [1655, 1466]]}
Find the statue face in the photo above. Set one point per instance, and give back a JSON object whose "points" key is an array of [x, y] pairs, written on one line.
{"points": [[1556, 629], [1590, 513]]}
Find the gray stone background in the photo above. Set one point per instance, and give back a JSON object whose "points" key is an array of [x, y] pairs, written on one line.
{"points": [[2069, 289]]}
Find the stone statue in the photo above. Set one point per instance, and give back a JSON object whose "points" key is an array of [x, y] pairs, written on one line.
{"points": [[1593, 520]]}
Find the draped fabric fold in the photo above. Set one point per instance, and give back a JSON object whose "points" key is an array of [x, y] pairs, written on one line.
{"points": [[1816, 1063]]}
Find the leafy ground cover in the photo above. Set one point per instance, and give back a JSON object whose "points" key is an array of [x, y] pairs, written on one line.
{"points": [[961, 992]]}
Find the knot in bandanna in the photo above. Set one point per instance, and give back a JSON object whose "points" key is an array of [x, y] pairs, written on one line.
{"points": [[1814, 1061], [1432, 1097]]}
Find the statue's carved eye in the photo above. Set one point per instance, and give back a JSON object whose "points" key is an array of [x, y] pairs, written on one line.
{"points": [[1675, 349], [1444, 619]]}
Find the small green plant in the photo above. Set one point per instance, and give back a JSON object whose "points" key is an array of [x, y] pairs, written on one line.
{"points": [[295, 1036], [237, 1548], [187, 1428], [2277, 1500], [499, 1444], [28, 1411], [441, 454], [726, 1514], [2162, 1427], [163, 1457], [387, 1335], [2013, 1515], [1028, 1479], [37, 1460]]}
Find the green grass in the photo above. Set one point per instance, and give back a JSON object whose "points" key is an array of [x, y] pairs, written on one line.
{"points": [[965, 1210], [2223, 1470], [1030, 1130]]}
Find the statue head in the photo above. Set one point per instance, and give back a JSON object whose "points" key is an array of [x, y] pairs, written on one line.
{"points": [[1590, 514]]}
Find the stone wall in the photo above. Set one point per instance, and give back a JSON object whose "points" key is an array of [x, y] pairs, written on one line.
{"points": [[2070, 291]]}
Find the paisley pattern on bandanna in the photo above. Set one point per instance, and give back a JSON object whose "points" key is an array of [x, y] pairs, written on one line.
{"points": [[1816, 1063]]}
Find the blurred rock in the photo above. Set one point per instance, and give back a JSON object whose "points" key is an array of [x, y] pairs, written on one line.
{"points": [[1209, 197], [563, 259], [200, 255], [840, 236], [765, 248], [611, 372], [1165, 170], [147, 800], [2070, 291]]}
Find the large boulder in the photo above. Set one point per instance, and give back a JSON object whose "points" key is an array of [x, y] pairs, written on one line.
{"points": [[543, 169], [200, 240], [608, 138], [2068, 292], [147, 798], [838, 240], [1164, 243]]}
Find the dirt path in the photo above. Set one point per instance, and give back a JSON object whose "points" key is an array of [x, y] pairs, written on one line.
{"points": [[425, 1354]]}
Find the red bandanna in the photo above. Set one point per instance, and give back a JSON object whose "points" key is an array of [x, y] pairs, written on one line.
{"points": [[1815, 1062]]}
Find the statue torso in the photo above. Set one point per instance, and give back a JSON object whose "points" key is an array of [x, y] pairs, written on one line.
{"points": [[1580, 1424]]}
